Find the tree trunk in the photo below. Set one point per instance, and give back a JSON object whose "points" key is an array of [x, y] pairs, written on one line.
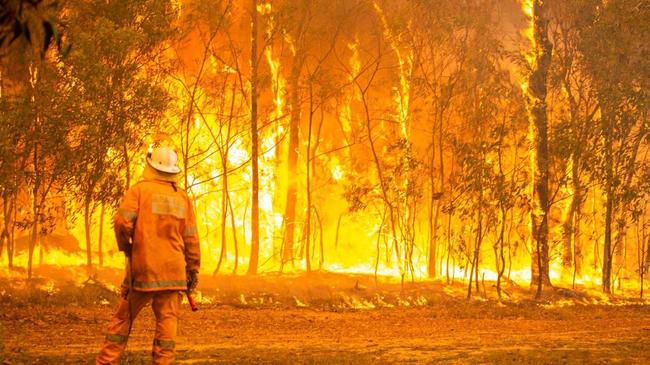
{"points": [[382, 182], [477, 242], [224, 212], [6, 217], [499, 253], [567, 234], [255, 215], [12, 235], [607, 248], [234, 235], [292, 178], [35, 210], [33, 238], [610, 198], [449, 216], [536, 102], [127, 166], [100, 239], [308, 170], [441, 163], [87, 226], [647, 252], [431, 268]]}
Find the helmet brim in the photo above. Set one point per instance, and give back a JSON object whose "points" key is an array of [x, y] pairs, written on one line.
{"points": [[162, 168]]}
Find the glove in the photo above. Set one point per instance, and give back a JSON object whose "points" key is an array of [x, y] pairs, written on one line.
{"points": [[127, 251], [124, 292], [124, 244], [192, 280]]}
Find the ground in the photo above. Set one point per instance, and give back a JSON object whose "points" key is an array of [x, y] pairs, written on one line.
{"points": [[333, 319]]}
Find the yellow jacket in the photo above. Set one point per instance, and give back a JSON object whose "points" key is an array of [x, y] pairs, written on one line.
{"points": [[157, 218]]}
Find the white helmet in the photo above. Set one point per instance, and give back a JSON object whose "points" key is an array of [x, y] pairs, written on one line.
{"points": [[163, 159]]}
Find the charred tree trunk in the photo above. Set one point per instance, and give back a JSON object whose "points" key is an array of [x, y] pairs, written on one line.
{"points": [[536, 100], [255, 212], [609, 203]]}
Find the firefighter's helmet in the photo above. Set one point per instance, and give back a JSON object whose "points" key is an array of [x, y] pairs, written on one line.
{"points": [[163, 159]]}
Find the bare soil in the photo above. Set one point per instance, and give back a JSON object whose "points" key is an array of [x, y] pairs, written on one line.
{"points": [[333, 320]]}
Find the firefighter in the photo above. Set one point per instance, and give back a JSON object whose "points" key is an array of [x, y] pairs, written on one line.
{"points": [[155, 227]]}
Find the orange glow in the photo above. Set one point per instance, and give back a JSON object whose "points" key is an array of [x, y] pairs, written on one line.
{"points": [[350, 216], [528, 9]]}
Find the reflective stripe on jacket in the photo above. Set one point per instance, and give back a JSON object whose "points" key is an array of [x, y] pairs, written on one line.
{"points": [[160, 219]]}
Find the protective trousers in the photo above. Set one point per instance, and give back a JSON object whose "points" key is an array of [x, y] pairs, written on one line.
{"points": [[166, 306]]}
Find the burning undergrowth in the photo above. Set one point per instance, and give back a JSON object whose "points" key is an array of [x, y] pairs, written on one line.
{"points": [[319, 292]]}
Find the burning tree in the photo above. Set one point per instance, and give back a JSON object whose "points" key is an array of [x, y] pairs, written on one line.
{"points": [[375, 137]]}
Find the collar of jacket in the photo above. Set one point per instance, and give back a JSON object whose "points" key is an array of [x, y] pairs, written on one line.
{"points": [[152, 174]]}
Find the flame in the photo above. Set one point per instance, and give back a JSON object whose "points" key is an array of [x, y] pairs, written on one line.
{"points": [[527, 6], [349, 93], [336, 169], [264, 8], [401, 94], [279, 83], [355, 251]]}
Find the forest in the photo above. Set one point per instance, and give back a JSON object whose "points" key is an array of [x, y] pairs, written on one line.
{"points": [[393, 151]]}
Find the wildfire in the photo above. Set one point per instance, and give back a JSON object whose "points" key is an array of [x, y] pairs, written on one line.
{"points": [[359, 240], [345, 110], [402, 93], [528, 8], [279, 84], [337, 170]]}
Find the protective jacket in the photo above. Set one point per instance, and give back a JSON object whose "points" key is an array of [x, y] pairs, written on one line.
{"points": [[156, 223]]}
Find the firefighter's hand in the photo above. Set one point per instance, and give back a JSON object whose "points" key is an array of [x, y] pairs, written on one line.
{"points": [[192, 280], [124, 292]]}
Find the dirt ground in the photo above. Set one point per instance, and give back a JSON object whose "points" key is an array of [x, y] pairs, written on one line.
{"points": [[348, 322]]}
